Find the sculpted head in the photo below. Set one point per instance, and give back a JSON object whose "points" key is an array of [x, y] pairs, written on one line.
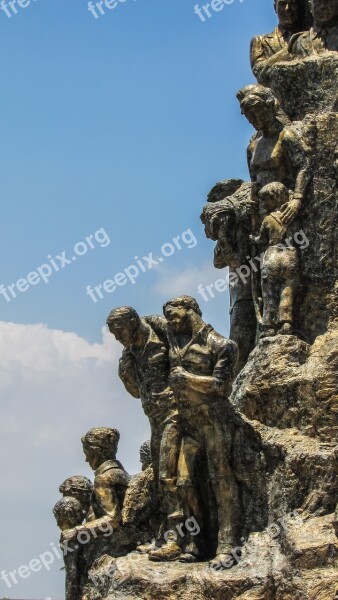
{"points": [[212, 218], [125, 324], [213, 213], [261, 107], [78, 487], [99, 445], [289, 13], [68, 513], [325, 12], [180, 313], [273, 196], [224, 189]]}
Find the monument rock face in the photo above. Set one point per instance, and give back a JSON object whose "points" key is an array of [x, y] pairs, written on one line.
{"points": [[238, 498]]}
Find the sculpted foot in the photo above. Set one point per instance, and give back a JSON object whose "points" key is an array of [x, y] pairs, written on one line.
{"points": [[223, 561], [187, 557], [267, 331], [286, 328], [146, 548], [169, 552]]}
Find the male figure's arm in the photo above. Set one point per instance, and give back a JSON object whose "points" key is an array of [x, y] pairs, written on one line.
{"points": [[300, 157], [106, 496], [128, 373], [225, 354], [264, 55]]}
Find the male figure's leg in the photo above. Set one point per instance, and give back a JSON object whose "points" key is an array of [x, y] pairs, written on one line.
{"points": [[218, 442], [168, 463], [190, 449]]}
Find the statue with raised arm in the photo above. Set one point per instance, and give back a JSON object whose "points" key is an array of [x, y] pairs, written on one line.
{"points": [[227, 219], [203, 364], [144, 370]]}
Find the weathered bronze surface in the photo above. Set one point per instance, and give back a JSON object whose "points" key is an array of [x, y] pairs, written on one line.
{"points": [[144, 370], [267, 50], [241, 475], [228, 220]]}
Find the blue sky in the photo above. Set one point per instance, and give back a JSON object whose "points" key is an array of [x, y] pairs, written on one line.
{"points": [[122, 123]]}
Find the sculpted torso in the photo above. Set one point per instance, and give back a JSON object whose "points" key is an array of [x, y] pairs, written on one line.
{"points": [[267, 160]]}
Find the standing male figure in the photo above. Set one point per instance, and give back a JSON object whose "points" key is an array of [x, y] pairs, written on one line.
{"points": [[323, 35], [203, 364], [267, 50], [144, 370]]}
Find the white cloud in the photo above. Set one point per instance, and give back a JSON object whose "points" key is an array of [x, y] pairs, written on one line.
{"points": [[54, 386], [175, 282]]}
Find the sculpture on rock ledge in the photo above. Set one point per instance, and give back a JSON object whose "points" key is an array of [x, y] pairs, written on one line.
{"points": [[227, 219], [68, 513], [144, 370], [280, 264], [280, 150], [80, 488], [323, 36], [202, 365], [267, 50]]}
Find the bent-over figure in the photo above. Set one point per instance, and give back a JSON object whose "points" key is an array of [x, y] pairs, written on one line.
{"points": [[144, 370]]}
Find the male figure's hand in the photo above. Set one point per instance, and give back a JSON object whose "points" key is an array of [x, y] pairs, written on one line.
{"points": [[178, 377], [290, 211]]}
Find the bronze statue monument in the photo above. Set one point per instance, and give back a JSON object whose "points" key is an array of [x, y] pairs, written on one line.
{"points": [[144, 370], [240, 475], [202, 370]]}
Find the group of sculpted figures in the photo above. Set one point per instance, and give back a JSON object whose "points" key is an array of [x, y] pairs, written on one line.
{"points": [[305, 28], [258, 224], [180, 368]]}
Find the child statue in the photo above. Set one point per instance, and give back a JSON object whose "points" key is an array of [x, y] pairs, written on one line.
{"points": [[280, 263], [68, 513]]}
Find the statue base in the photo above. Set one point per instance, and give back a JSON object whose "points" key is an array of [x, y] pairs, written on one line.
{"points": [[301, 564]]}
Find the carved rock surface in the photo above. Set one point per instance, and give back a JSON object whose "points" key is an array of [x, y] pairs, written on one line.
{"points": [[265, 572], [290, 82], [288, 383], [284, 404]]}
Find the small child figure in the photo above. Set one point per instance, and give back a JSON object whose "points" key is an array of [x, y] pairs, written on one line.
{"points": [[68, 513], [80, 488], [280, 265]]}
